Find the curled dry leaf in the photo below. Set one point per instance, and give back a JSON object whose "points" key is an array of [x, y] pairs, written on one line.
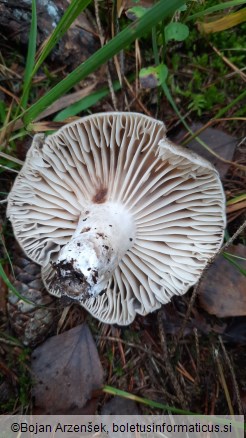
{"points": [[223, 291], [66, 370]]}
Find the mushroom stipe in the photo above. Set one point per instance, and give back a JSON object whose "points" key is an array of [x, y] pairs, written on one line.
{"points": [[119, 218]]}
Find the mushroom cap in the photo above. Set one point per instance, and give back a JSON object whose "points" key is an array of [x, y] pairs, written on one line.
{"points": [[174, 196]]}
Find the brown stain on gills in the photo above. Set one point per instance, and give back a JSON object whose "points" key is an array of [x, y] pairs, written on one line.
{"points": [[101, 196]]}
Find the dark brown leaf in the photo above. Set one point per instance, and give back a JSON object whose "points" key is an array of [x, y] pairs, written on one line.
{"points": [[236, 330], [66, 371], [221, 143], [120, 406], [223, 289]]}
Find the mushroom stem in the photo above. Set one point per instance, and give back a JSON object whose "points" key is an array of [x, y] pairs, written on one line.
{"points": [[85, 264]]}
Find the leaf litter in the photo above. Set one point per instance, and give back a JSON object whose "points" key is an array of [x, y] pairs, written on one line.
{"points": [[66, 370], [133, 357]]}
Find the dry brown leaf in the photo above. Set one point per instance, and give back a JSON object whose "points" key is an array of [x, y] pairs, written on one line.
{"points": [[120, 406], [223, 23], [223, 289], [67, 100], [236, 330], [235, 207], [221, 143], [45, 126], [66, 370]]}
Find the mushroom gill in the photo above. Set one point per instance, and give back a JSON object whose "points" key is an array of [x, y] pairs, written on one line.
{"points": [[118, 217]]}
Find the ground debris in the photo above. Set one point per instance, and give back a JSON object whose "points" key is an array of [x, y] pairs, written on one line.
{"points": [[32, 323], [66, 370], [74, 48], [225, 295], [221, 144]]}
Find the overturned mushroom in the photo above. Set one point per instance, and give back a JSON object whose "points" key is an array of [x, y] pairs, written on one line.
{"points": [[119, 218]]}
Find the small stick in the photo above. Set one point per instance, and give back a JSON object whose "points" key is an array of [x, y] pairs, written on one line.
{"points": [[168, 365], [198, 361], [234, 380]]}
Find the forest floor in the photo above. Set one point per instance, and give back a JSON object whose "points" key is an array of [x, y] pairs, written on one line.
{"points": [[190, 355]]}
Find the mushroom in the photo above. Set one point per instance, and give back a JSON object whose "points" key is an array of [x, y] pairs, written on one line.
{"points": [[119, 218]]}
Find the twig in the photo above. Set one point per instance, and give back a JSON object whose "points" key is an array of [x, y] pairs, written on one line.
{"points": [[101, 37], [231, 240], [229, 63], [11, 342], [168, 365], [10, 170], [5, 91], [198, 362], [223, 381], [234, 380], [130, 344], [236, 207], [141, 105], [10, 158]]}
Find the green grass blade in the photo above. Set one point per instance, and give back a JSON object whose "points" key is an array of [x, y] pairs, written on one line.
{"points": [[85, 103], [11, 287], [234, 256], [74, 9], [30, 61], [145, 401], [172, 102], [218, 115], [153, 404], [114, 46], [11, 339], [234, 263], [237, 199], [237, 99], [216, 8]]}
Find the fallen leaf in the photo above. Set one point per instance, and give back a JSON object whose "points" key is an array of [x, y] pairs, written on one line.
{"points": [[120, 406], [223, 23], [66, 370], [223, 289], [136, 12], [236, 330], [44, 126], [221, 143], [152, 77]]}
